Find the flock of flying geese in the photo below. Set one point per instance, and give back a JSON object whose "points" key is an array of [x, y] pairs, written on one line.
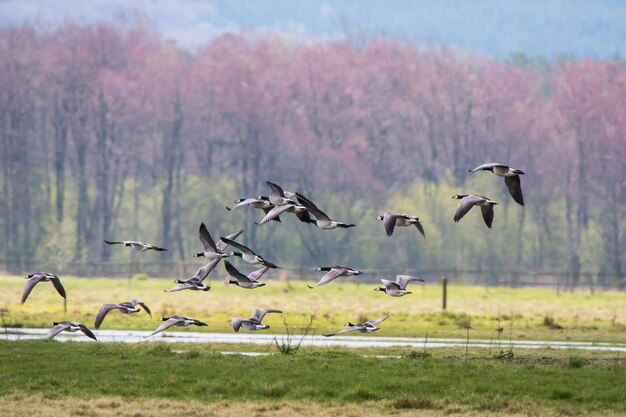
{"points": [[277, 203]]}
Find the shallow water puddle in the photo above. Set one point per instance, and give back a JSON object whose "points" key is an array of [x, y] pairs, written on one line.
{"points": [[125, 336]]}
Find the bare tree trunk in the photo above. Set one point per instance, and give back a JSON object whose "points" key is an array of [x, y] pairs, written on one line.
{"points": [[82, 211], [60, 150], [172, 159], [573, 235], [583, 188], [5, 208], [109, 176], [613, 244]]}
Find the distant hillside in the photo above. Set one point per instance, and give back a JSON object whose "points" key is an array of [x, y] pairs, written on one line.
{"points": [[494, 28]]}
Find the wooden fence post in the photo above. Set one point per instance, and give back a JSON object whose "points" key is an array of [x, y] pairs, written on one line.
{"points": [[444, 282]]}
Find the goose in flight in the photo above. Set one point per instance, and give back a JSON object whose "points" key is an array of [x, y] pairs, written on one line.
{"points": [[254, 322], [365, 327], [221, 245], [277, 196], [251, 281], [195, 283], [180, 321], [69, 326], [211, 250], [247, 254], [34, 279], [136, 245], [397, 288], [471, 200], [261, 203], [322, 220], [127, 307], [333, 272], [391, 220], [299, 210], [511, 178]]}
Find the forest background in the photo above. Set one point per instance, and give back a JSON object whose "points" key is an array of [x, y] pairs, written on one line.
{"points": [[110, 131]]}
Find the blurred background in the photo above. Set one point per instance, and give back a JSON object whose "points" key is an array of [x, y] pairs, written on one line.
{"points": [[138, 120]]}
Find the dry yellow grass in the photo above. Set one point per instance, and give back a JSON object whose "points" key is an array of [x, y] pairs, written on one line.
{"points": [[18, 405]]}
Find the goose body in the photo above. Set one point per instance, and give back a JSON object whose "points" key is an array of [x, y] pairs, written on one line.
{"points": [[254, 322], [136, 245], [392, 220], [260, 202], [210, 251], [193, 284], [247, 254], [34, 279], [127, 307], [511, 178], [322, 220], [471, 200], [69, 326], [180, 321], [365, 327], [277, 196], [299, 210], [243, 281], [333, 272], [397, 288]]}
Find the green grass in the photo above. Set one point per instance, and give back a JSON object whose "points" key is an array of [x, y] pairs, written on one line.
{"points": [[530, 313], [153, 370]]}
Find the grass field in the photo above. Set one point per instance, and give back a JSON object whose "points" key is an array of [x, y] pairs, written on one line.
{"points": [[50, 371], [156, 379], [531, 313]]}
